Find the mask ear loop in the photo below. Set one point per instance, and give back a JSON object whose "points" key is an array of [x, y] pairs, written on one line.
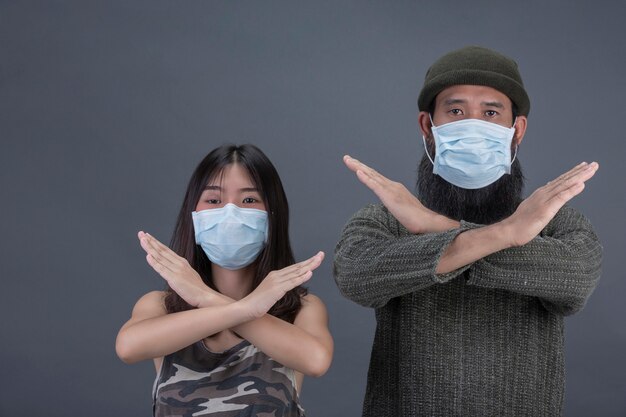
{"points": [[516, 146], [426, 150], [424, 141], [515, 155]]}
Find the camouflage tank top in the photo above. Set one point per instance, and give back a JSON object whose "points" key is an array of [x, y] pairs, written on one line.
{"points": [[241, 381]]}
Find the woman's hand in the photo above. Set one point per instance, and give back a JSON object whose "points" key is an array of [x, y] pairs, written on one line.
{"points": [[277, 283], [180, 276]]}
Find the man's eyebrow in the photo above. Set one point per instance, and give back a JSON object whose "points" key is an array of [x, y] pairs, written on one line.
{"points": [[451, 101], [496, 104]]}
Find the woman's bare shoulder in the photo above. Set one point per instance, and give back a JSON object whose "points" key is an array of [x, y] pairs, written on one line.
{"points": [[312, 299], [151, 304], [313, 308]]}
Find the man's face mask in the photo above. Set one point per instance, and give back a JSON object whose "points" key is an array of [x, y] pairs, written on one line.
{"points": [[471, 153]]}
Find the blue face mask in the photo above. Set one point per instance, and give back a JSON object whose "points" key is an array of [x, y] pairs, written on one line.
{"points": [[231, 237], [471, 153]]}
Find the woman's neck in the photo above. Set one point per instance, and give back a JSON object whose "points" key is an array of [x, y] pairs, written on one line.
{"points": [[234, 284]]}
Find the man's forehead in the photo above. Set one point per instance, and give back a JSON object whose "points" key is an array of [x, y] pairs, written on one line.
{"points": [[460, 94]]}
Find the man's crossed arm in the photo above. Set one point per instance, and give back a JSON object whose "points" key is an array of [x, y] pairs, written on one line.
{"points": [[530, 218]]}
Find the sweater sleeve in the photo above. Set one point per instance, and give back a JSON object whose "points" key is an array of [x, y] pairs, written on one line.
{"points": [[377, 259], [560, 266]]}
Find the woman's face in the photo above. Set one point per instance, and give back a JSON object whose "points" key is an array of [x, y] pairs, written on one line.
{"points": [[235, 186]]}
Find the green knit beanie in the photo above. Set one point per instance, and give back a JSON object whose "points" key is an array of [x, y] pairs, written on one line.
{"points": [[475, 65]]}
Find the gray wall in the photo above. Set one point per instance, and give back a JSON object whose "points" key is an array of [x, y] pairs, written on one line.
{"points": [[106, 108]]}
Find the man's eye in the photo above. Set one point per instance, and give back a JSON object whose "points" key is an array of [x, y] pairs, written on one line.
{"points": [[491, 113], [249, 200], [456, 112]]}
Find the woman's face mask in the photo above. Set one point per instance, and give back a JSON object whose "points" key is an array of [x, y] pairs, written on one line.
{"points": [[232, 237]]}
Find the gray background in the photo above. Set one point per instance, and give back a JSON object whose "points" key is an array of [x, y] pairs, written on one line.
{"points": [[106, 108]]}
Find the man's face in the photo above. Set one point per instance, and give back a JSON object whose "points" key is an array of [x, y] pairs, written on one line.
{"points": [[484, 205], [473, 102], [460, 102]]}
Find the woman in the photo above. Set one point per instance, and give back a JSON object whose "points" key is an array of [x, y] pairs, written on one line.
{"points": [[234, 333]]}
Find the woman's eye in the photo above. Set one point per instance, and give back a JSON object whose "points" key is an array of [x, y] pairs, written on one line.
{"points": [[250, 200], [213, 201]]}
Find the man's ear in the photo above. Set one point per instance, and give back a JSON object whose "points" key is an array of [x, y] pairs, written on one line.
{"points": [[423, 120], [520, 129]]}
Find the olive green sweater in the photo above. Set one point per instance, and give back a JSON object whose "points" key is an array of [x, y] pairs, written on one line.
{"points": [[484, 340]]}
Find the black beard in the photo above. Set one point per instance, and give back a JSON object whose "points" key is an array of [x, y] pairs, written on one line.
{"points": [[485, 205]]}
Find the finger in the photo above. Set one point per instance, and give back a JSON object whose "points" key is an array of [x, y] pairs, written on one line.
{"points": [[372, 173], [352, 164], [313, 262], [158, 267], [316, 260], [300, 268], [161, 247], [573, 185], [148, 245], [296, 280], [367, 180], [579, 176], [303, 278], [164, 253], [302, 264], [559, 199], [356, 165], [588, 172], [569, 174]]}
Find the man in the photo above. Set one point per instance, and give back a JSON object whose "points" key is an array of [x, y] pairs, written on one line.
{"points": [[470, 283]]}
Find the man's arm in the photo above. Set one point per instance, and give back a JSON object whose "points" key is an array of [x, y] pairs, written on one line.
{"points": [[491, 248], [542, 250], [391, 250], [527, 222], [377, 259], [561, 266]]}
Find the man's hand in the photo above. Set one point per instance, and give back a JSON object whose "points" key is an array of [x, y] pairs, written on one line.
{"points": [[403, 205], [530, 218], [537, 210]]}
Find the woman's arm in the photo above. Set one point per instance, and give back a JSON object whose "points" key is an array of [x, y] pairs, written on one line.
{"points": [[151, 332], [305, 346]]}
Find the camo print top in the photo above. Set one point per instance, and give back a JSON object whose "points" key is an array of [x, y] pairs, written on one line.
{"points": [[241, 381]]}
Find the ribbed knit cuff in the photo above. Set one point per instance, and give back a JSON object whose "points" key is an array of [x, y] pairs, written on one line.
{"points": [[445, 277]]}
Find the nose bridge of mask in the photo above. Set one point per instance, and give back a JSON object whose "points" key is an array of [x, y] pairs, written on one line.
{"points": [[229, 214], [245, 216], [474, 132], [433, 123]]}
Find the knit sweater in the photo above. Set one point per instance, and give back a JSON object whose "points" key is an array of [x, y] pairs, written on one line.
{"points": [[483, 340]]}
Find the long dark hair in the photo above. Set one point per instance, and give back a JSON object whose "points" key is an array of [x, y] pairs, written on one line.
{"points": [[276, 254]]}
